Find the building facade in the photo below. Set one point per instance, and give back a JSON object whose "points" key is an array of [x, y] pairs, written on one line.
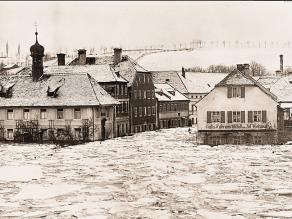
{"points": [[173, 107], [238, 111]]}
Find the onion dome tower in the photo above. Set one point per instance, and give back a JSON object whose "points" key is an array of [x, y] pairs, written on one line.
{"points": [[37, 54]]}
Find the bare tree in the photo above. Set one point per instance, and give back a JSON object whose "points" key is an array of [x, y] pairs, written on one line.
{"points": [[257, 69]]}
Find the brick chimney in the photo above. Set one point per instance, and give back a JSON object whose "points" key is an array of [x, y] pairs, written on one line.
{"points": [[61, 58], [240, 67], [246, 69], [81, 56], [117, 55], [281, 63], [183, 72]]}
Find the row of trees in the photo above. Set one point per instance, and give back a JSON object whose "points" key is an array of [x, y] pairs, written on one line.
{"points": [[256, 69]]}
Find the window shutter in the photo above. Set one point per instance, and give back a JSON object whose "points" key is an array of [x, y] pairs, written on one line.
{"points": [[242, 92], [222, 116], [250, 116], [229, 92], [229, 116], [208, 117], [264, 116], [242, 116]]}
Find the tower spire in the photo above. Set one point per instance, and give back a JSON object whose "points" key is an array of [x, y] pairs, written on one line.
{"points": [[36, 31]]}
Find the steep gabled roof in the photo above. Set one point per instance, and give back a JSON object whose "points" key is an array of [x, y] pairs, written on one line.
{"points": [[169, 77], [238, 78], [74, 90], [128, 69]]}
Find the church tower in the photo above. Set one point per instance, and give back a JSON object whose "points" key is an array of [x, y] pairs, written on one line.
{"points": [[37, 54]]}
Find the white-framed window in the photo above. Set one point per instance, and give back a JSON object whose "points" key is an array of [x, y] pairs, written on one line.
{"points": [[10, 134], [26, 114], [43, 113], [60, 113], [77, 113], [236, 116], [153, 110], [145, 111], [215, 116], [148, 94], [257, 116], [135, 112], [140, 111], [149, 110], [10, 114]]}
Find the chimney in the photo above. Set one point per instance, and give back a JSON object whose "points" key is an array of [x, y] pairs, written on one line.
{"points": [[281, 63], [61, 58], [246, 69], [183, 72], [278, 73], [117, 55], [240, 67], [81, 56]]}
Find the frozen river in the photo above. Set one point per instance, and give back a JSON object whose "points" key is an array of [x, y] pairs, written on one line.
{"points": [[149, 175]]}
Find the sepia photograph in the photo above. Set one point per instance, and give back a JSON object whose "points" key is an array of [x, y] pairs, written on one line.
{"points": [[146, 109]]}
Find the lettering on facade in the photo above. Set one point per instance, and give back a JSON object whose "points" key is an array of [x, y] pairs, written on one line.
{"points": [[219, 126]]}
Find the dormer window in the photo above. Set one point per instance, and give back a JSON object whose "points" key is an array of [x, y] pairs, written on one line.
{"points": [[235, 92]]}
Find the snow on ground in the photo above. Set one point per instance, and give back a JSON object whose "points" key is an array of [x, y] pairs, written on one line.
{"points": [[159, 174], [174, 60]]}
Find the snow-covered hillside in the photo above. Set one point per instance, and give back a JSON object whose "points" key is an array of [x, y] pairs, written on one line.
{"points": [[158, 174], [174, 60]]}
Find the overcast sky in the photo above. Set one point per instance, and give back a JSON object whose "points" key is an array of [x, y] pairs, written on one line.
{"points": [[93, 24]]}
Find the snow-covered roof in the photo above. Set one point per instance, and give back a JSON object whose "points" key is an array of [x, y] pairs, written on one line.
{"points": [[198, 82], [237, 77], [279, 86], [75, 90], [128, 69], [101, 73], [170, 77], [165, 92]]}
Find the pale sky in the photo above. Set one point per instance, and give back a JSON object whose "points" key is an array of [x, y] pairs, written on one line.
{"points": [[74, 25]]}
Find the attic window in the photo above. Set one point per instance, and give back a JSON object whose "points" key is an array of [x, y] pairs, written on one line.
{"points": [[6, 90], [53, 88], [172, 92], [167, 80]]}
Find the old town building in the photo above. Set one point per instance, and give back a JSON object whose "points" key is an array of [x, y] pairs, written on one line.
{"points": [[172, 107], [239, 110], [45, 105]]}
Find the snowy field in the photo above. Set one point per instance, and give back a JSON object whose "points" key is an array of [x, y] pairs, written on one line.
{"points": [[159, 174], [205, 57]]}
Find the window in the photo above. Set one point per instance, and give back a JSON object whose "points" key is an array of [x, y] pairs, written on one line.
{"points": [[153, 110], [168, 107], [215, 116], [148, 94], [160, 107], [26, 114], [236, 116], [77, 113], [237, 139], [135, 112], [122, 89], [215, 140], [152, 94], [126, 106], [149, 110], [118, 90], [43, 113], [164, 107], [60, 114], [135, 94], [235, 92], [257, 139], [145, 111], [140, 111], [257, 116], [77, 133], [145, 96], [139, 94], [10, 114], [10, 134]]}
